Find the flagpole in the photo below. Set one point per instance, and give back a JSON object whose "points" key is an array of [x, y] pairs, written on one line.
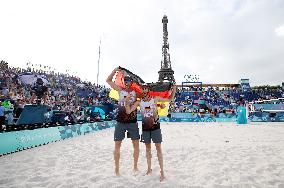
{"points": [[99, 63]]}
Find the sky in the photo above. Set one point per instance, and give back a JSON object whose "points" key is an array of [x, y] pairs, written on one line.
{"points": [[222, 41]]}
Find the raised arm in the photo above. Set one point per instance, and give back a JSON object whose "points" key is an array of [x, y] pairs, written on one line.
{"points": [[160, 99], [129, 108], [110, 82]]}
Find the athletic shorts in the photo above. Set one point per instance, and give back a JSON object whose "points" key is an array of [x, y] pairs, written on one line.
{"points": [[155, 135], [121, 128]]}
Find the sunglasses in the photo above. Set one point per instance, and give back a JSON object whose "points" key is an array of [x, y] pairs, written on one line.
{"points": [[127, 81]]}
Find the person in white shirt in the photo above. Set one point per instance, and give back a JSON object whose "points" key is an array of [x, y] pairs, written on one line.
{"points": [[150, 124], [125, 122]]}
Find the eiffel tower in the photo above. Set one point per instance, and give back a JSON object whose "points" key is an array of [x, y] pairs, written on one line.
{"points": [[166, 73]]}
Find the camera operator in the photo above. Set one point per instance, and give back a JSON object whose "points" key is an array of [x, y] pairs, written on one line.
{"points": [[39, 91]]}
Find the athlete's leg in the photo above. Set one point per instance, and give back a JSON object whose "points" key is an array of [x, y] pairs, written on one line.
{"points": [[148, 156], [116, 154], [146, 139], [119, 134], [135, 153], [160, 159], [133, 130]]}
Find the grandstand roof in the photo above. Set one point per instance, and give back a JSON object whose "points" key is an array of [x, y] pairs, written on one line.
{"points": [[213, 85]]}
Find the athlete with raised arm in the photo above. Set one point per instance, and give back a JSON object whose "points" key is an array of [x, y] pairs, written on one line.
{"points": [[125, 121]]}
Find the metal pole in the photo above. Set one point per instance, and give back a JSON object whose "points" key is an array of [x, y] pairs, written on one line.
{"points": [[99, 63]]}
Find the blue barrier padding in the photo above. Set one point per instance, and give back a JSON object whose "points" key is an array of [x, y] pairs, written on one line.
{"points": [[242, 115], [20, 140], [33, 114]]}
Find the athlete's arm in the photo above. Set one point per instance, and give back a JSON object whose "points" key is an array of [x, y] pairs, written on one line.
{"points": [[129, 108], [162, 106], [110, 82], [160, 99]]}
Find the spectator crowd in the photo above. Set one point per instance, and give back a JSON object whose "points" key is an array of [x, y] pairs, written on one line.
{"points": [[196, 99], [62, 92], [71, 95]]}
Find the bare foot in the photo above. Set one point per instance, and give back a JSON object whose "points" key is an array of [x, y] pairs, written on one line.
{"points": [[135, 171], [162, 177], [149, 172], [117, 172]]}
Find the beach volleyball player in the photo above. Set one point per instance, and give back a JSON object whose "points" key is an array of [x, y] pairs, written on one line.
{"points": [[150, 124], [125, 122]]}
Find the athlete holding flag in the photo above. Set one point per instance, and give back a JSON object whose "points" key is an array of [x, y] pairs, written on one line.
{"points": [[125, 121], [150, 123]]}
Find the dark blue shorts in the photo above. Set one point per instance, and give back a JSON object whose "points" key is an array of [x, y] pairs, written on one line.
{"points": [[155, 135], [121, 128]]}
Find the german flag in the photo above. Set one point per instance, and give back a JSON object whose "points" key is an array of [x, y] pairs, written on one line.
{"points": [[160, 89], [119, 80], [147, 108]]}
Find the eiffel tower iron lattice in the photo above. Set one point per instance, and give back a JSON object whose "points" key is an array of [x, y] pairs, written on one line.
{"points": [[166, 73]]}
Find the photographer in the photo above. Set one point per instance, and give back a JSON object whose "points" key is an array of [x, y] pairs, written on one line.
{"points": [[39, 92]]}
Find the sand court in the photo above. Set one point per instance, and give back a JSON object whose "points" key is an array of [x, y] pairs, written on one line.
{"points": [[195, 155]]}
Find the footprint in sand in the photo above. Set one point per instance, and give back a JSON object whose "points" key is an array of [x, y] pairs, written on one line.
{"points": [[95, 178], [6, 181], [38, 179]]}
